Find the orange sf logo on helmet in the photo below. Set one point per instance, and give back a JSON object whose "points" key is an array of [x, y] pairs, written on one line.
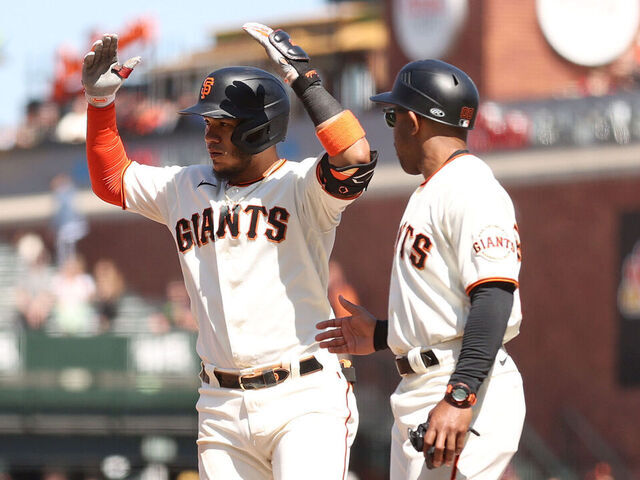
{"points": [[206, 87]]}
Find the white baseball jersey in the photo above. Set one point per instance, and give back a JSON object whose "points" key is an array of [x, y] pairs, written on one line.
{"points": [[254, 256], [458, 231]]}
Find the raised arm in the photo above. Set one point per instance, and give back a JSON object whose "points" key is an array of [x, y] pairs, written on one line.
{"points": [[337, 129], [102, 76]]}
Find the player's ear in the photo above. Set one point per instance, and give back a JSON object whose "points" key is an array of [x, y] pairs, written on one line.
{"points": [[414, 122]]}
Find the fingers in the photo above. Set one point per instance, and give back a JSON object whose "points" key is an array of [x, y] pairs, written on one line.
{"points": [[339, 349], [132, 62], [335, 333], [450, 448], [332, 323], [258, 31], [460, 442], [351, 307], [88, 60], [96, 48], [337, 343], [105, 50], [438, 453]]}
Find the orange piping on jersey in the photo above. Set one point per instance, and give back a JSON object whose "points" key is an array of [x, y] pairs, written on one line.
{"points": [[106, 157], [492, 279], [346, 436], [269, 171], [123, 191], [441, 166], [454, 469]]}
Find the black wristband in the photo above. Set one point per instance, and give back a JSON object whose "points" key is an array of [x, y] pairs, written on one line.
{"points": [[380, 335]]}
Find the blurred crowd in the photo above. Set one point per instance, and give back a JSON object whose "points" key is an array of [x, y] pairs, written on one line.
{"points": [[601, 109], [65, 297], [48, 122]]}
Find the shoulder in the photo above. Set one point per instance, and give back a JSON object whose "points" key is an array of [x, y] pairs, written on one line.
{"points": [[297, 168], [469, 174]]}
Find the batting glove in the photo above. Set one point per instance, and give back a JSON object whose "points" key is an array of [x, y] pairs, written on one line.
{"points": [[292, 59], [102, 75]]}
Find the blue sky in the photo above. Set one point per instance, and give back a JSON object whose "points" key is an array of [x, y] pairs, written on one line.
{"points": [[31, 31]]}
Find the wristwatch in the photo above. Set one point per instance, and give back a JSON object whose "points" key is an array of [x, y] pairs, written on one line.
{"points": [[459, 395]]}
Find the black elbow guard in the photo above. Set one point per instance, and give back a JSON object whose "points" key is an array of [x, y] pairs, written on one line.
{"points": [[343, 185]]}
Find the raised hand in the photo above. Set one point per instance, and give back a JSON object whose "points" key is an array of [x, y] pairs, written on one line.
{"points": [[102, 75], [292, 59], [353, 334]]}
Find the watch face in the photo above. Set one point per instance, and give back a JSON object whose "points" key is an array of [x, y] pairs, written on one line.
{"points": [[459, 394]]}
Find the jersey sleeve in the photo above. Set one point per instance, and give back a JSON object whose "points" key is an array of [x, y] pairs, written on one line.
{"points": [[319, 209], [484, 235], [150, 191]]}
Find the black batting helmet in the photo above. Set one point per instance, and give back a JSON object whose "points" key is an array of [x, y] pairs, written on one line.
{"points": [[436, 90], [254, 96]]}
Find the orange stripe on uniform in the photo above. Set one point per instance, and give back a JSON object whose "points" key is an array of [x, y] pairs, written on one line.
{"points": [[493, 279], [346, 435]]}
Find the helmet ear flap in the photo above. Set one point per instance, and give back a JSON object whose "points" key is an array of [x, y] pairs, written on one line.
{"points": [[254, 136]]}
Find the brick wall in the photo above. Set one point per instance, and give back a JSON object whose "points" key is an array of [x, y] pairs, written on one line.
{"points": [[503, 49]]}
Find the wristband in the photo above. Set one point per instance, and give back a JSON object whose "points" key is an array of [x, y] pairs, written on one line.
{"points": [[341, 133], [100, 102], [380, 335]]}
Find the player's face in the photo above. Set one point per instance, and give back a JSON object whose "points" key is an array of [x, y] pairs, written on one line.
{"points": [[398, 119], [228, 160]]}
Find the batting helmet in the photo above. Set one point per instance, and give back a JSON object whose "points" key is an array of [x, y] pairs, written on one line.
{"points": [[436, 90], [254, 96]]}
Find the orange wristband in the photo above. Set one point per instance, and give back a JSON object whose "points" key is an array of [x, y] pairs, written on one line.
{"points": [[341, 133]]}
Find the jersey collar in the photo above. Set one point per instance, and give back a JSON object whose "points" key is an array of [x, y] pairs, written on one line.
{"points": [[269, 171], [453, 156]]}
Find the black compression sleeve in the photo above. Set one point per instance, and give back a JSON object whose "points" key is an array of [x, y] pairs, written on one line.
{"points": [[491, 305], [380, 335], [319, 104]]}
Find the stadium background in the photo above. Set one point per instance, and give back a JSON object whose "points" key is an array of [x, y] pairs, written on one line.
{"points": [[96, 393]]}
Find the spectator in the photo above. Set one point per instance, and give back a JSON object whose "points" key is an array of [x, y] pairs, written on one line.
{"points": [[74, 290], [69, 225], [54, 475], [175, 312], [177, 309], [110, 287], [72, 127], [34, 296]]}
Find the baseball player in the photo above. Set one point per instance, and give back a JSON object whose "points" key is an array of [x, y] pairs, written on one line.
{"points": [[453, 302], [254, 235]]}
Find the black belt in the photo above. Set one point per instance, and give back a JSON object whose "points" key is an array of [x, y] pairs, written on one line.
{"points": [[428, 358], [265, 378]]}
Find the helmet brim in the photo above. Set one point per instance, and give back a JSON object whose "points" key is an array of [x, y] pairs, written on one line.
{"points": [[385, 97], [205, 111]]}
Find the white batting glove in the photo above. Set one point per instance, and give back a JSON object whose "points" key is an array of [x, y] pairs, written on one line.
{"points": [[102, 75], [265, 36]]}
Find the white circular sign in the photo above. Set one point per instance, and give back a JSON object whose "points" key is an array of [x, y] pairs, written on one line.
{"points": [[427, 28], [589, 32]]}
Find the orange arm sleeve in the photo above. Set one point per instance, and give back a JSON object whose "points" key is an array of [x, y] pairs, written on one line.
{"points": [[105, 154]]}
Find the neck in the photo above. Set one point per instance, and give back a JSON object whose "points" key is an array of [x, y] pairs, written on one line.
{"points": [[258, 166], [436, 151]]}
